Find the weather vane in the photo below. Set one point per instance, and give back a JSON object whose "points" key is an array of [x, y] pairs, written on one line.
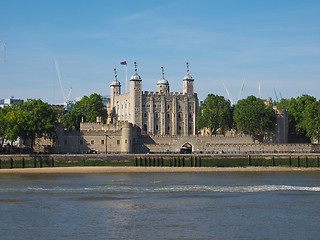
{"points": [[115, 72], [135, 66], [162, 69]]}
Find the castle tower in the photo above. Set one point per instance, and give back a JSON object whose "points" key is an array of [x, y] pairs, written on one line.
{"points": [[162, 84], [115, 88], [136, 98], [126, 139], [188, 82]]}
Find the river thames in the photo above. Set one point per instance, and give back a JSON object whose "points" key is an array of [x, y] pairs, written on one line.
{"points": [[213, 205]]}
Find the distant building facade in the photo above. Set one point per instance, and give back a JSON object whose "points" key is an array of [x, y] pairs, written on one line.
{"points": [[9, 101]]}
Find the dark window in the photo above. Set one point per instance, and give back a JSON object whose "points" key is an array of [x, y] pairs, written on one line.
{"points": [[157, 127], [179, 128], [168, 106], [102, 141], [118, 141], [168, 115], [92, 141], [126, 141], [190, 128]]}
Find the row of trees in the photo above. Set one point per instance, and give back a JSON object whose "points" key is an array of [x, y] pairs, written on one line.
{"points": [[250, 115], [253, 116], [29, 120], [303, 115], [36, 119]]}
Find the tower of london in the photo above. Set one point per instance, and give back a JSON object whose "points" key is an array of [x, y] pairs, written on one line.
{"points": [[155, 113]]}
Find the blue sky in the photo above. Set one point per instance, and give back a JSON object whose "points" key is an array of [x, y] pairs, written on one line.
{"points": [[276, 43]]}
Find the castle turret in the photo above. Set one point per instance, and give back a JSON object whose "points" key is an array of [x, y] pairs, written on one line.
{"points": [[162, 84], [115, 88], [188, 82], [126, 140], [136, 98]]}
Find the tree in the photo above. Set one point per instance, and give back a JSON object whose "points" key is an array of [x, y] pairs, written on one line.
{"points": [[215, 112], [312, 121], [2, 128], [283, 104], [253, 116], [43, 119], [18, 124], [88, 108], [296, 110]]}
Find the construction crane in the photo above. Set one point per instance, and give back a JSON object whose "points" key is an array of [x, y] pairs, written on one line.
{"points": [[241, 89], [230, 98], [3, 48], [65, 98], [275, 93], [259, 89]]}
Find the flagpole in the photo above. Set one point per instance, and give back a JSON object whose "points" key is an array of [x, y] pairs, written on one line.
{"points": [[126, 76]]}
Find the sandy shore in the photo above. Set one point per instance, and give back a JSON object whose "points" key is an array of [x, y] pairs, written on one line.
{"points": [[62, 170]]}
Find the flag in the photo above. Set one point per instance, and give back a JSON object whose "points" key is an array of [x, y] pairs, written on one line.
{"points": [[124, 63]]}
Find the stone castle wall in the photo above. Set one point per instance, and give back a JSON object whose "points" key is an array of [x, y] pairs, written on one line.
{"points": [[218, 143]]}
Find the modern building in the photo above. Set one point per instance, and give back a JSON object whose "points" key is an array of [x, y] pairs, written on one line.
{"points": [[9, 101]]}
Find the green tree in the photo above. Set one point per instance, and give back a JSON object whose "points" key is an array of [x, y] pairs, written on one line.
{"points": [[296, 108], [312, 121], [283, 104], [216, 113], [253, 116], [17, 125], [88, 108], [43, 119], [2, 128]]}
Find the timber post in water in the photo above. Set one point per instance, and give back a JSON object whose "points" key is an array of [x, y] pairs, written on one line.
{"points": [[11, 163], [35, 162], [306, 161], [290, 161], [52, 162], [23, 163], [249, 160], [298, 161]]}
